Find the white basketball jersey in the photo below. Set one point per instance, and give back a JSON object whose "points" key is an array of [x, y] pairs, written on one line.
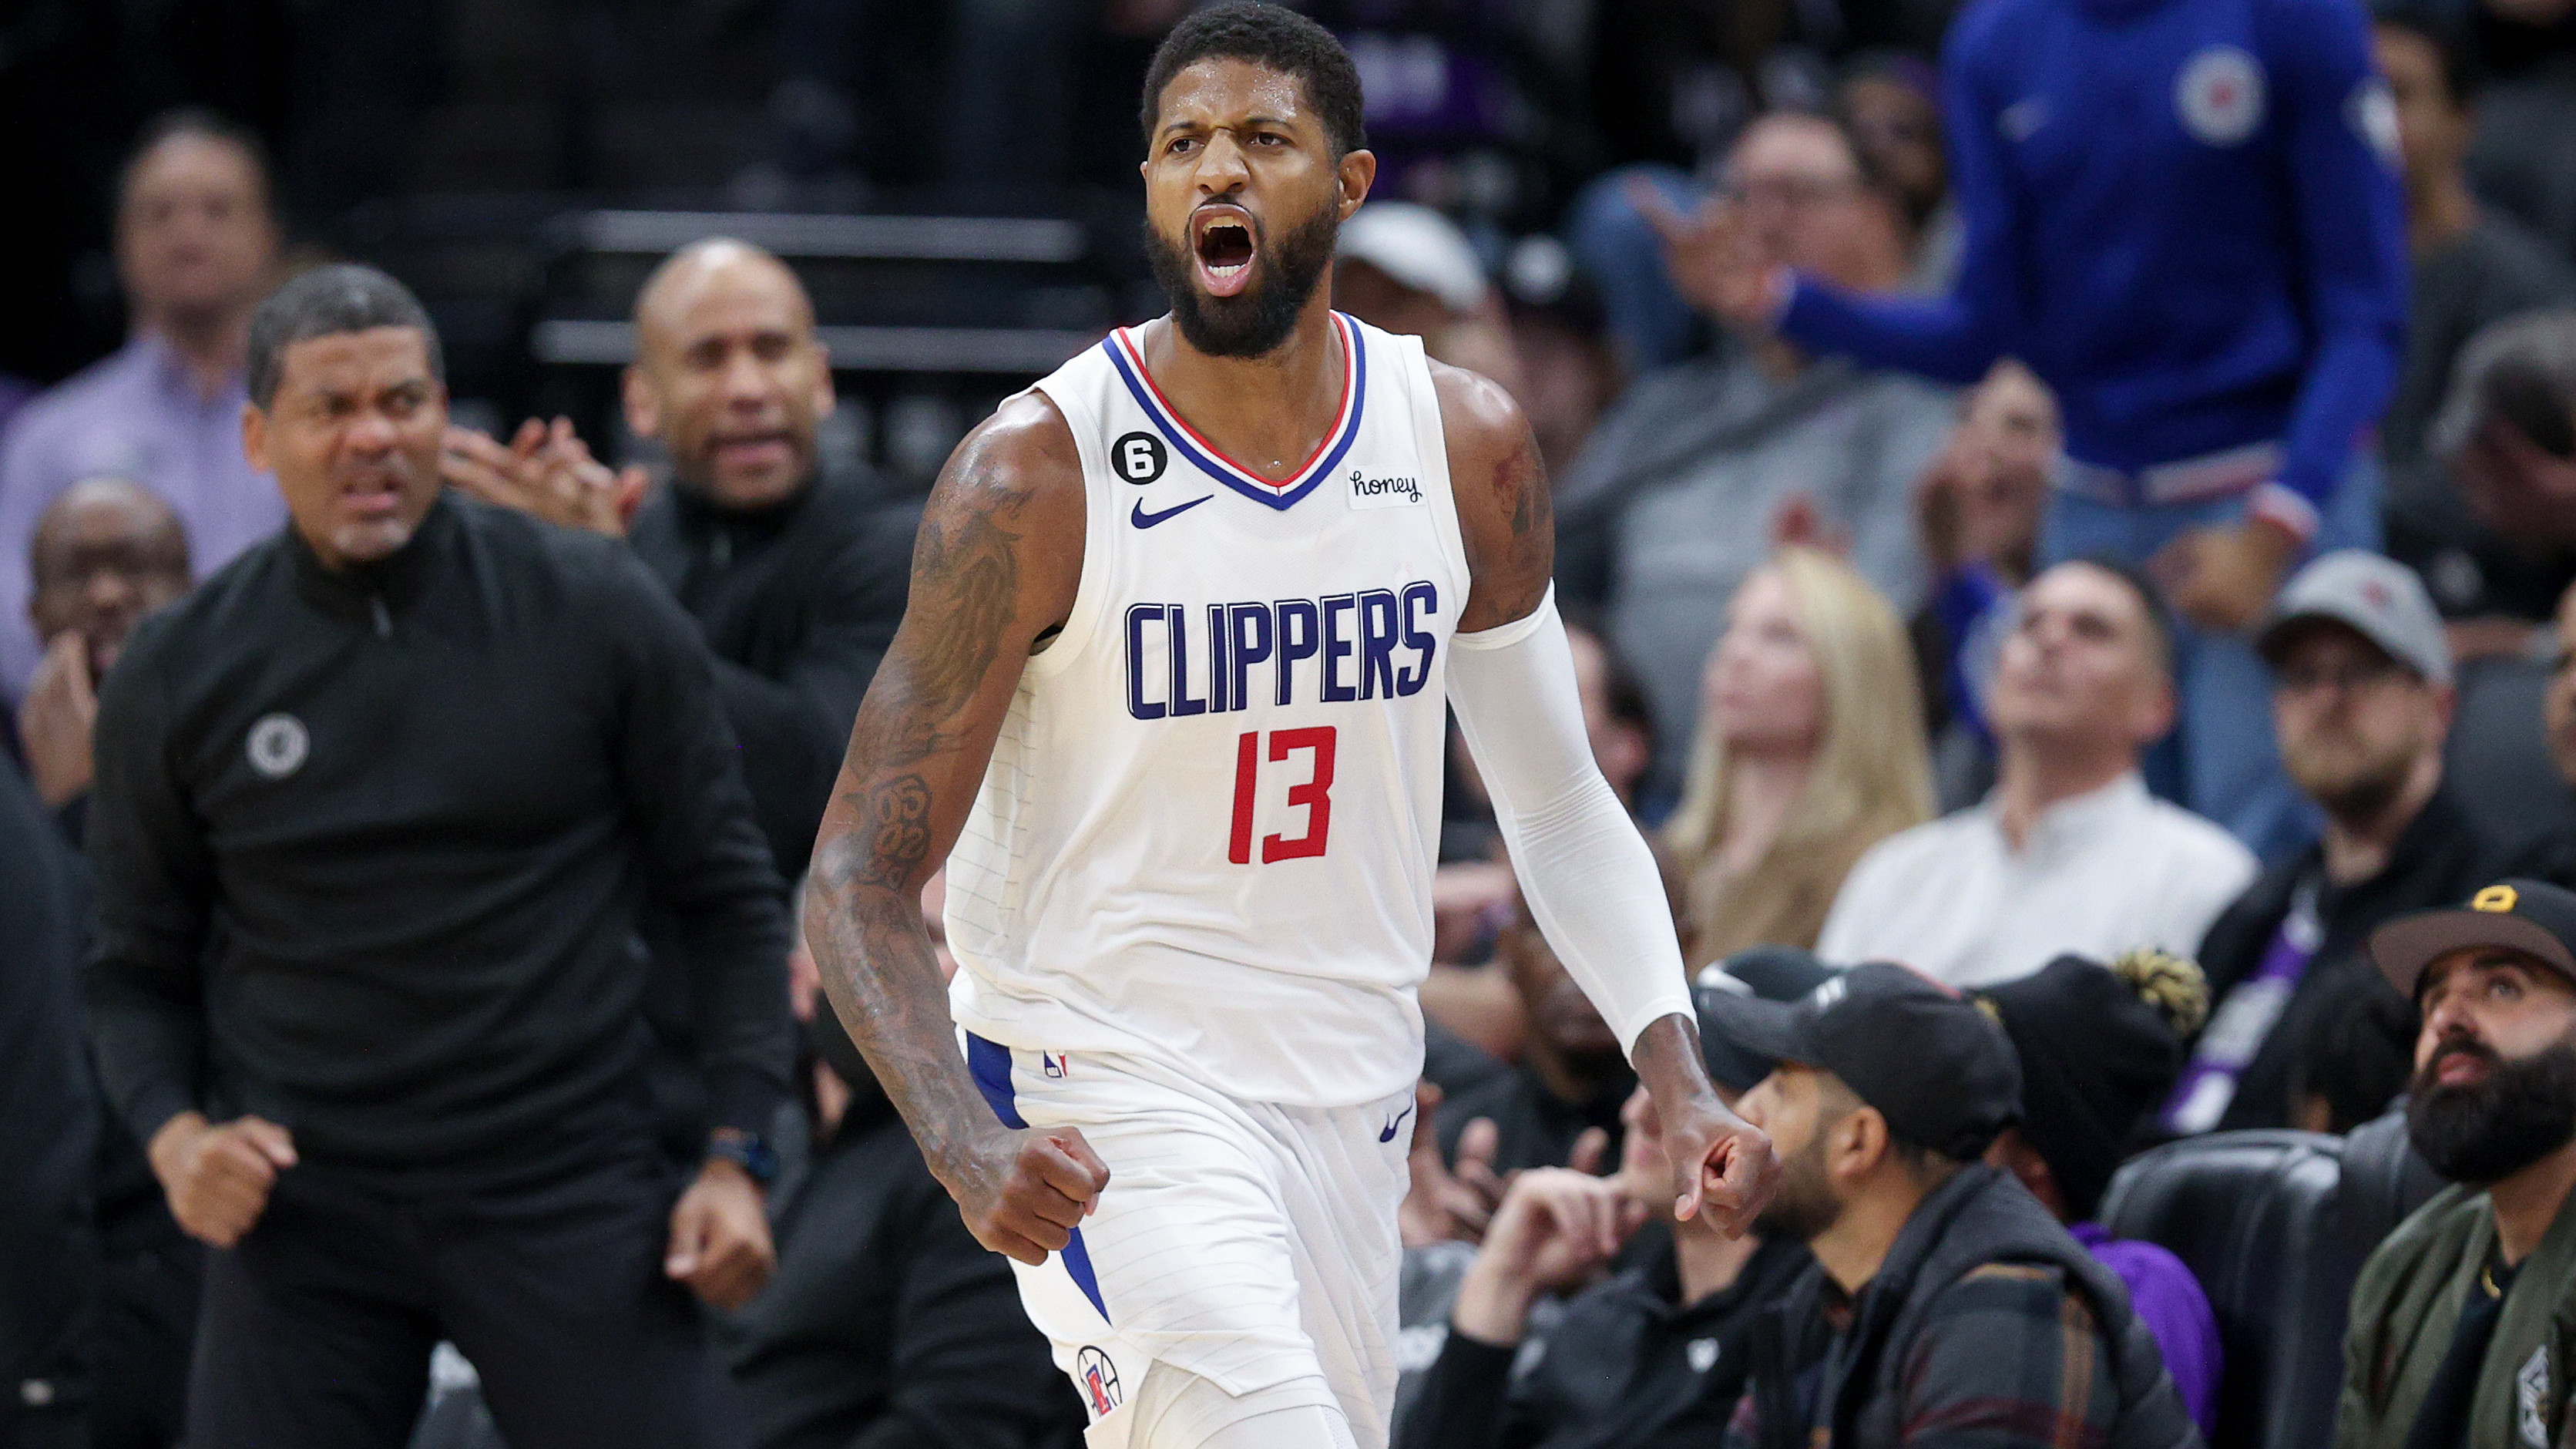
{"points": [[1208, 831]]}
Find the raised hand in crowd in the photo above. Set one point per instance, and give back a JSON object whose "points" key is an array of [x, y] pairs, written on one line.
{"points": [[547, 471], [1801, 522], [1556, 1229], [217, 1175], [55, 720], [720, 1244], [2222, 578], [1717, 261], [1457, 1201], [1446, 1201]]}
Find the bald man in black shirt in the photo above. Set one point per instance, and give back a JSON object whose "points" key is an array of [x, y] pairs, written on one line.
{"points": [[796, 579]]}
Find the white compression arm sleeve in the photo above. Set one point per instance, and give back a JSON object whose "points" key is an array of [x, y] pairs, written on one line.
{"points": [[1590, 881]]}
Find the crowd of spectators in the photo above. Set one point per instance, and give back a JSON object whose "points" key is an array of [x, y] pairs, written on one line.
{"points": [[2067, 523]]}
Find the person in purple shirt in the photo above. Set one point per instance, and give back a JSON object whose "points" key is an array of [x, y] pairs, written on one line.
{"points": [[196, 249], [2100, 1047]]}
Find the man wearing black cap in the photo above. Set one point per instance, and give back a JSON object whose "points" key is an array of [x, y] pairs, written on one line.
{"points": [[1957, 1306], [1653, 1356], [2361, 706], [2464, 1321], [2100, 1047]]}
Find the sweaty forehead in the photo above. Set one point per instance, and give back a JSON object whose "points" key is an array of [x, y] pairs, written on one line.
{"points": [[1225, 90]]}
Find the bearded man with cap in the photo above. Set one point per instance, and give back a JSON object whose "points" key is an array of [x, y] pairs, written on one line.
{"points": [[2099, 1048], [2361, 706], [2464, 1321], [1956, 1306]]}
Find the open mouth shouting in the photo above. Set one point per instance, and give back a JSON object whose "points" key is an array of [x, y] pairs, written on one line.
{"points": [[1221, 243]]}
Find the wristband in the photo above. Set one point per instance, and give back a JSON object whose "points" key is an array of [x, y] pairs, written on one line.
{"points": [[745, 1150]]}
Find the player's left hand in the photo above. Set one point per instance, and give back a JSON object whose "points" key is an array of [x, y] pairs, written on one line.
{"points": [[2221, 579], [1722, 1165], [720, 1243]]}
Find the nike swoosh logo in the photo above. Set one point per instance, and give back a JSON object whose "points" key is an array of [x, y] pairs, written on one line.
{"points": [[1389, 1134], [1142, 519]]}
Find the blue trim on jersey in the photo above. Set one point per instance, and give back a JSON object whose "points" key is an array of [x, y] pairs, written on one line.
{"points": [[1186, 444], [990, 1064]]}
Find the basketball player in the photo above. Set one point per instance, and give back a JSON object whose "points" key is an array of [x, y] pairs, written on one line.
{"points": [[1185, 618]]}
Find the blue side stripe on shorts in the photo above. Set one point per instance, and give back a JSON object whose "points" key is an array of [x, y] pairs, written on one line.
{"points": [[990, 1064]]}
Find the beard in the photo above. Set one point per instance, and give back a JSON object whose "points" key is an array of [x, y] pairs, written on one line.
{"points": [[1254, 321], [2345, 785], [1803, 1208], [2485, 1131]]}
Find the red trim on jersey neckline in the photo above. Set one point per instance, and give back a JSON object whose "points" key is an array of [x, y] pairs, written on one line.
{"points": [[1130, 362]]}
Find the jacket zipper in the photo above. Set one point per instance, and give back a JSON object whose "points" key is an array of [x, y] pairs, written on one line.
{"points": [[384, 620]]}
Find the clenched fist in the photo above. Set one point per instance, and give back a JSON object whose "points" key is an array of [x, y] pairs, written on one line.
{"points": [[1023, 1192], [218, 1175]]}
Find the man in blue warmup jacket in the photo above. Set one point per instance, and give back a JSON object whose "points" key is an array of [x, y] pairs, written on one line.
{"points": [[2184, 215]]}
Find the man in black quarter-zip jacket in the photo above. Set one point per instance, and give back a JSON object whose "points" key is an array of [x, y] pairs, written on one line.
{"points": [[375, 809]]}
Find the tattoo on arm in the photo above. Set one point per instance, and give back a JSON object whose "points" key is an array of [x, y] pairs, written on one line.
{"points": [[1503, 512], [930, 709], [1529, 561], [897, 829]]}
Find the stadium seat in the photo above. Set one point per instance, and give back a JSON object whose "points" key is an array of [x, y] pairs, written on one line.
{"points": [[2256, 1216], [2384, 1179]]}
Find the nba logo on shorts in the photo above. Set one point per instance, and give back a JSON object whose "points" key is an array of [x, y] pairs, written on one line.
{"points": [[1099, 1380], [1057, 1064]]}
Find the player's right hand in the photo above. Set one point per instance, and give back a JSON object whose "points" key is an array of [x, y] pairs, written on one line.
{"points": [[217, 1176], [1029, 1189]]}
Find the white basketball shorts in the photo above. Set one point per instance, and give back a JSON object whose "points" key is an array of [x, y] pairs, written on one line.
{"points": [[1250, 1244]]}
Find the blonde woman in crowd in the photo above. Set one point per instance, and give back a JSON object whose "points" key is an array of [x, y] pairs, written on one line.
{"points": [[1810, 750]]}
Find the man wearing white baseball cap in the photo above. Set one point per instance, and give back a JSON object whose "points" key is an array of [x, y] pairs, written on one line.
{"points": [[1406, 268]]}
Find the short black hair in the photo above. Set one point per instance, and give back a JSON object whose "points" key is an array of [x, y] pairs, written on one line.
{"points": [[2161, 633], [1274, 38], [325, 302], [198, 123]]}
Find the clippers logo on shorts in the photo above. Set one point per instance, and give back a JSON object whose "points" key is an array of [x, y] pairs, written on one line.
{"points": [[277, 745], [1367, 492], [1099, 1380], [2219, 95], [1185, 659]]}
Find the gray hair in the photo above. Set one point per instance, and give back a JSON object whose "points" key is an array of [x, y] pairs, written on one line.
{"points": [[325, 302], [2520, 372]]}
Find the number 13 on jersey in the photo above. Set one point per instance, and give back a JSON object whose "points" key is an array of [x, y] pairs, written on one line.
{"points": [[1313, 794]]}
